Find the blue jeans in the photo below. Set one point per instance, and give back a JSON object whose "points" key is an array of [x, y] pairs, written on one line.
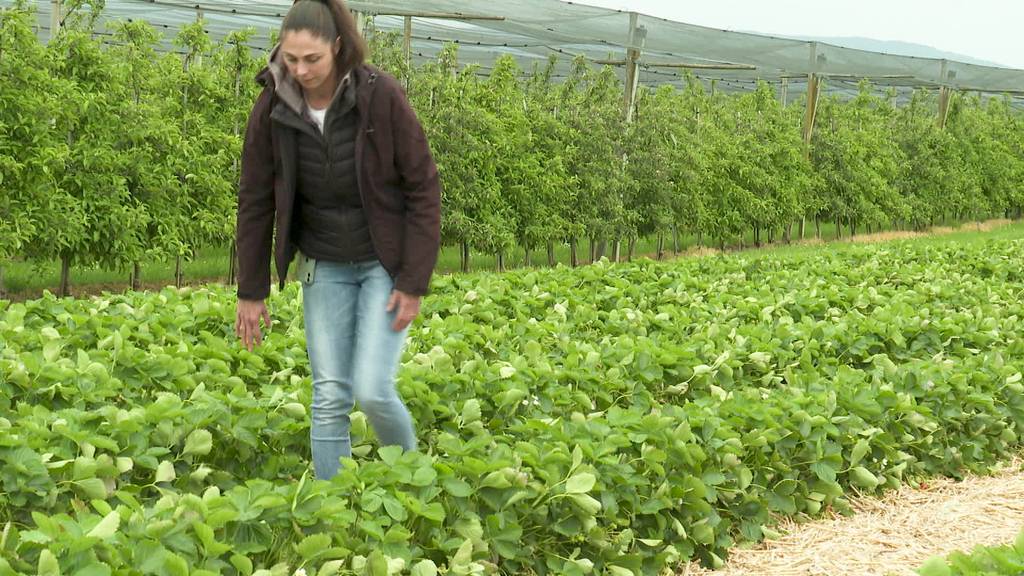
{"points": [[354, 354]]}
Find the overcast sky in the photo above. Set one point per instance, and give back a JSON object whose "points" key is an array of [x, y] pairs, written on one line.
{"points": [[991, 30]]}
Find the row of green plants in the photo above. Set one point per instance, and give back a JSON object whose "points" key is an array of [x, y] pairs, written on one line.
{"points": [[112, 154], [1006, 560], [610, 419]]}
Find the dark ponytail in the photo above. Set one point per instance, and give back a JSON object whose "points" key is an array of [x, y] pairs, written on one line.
{"points": [[328, 19]]}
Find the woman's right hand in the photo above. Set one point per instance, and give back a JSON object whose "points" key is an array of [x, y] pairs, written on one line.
{"points": [[247, 322]]}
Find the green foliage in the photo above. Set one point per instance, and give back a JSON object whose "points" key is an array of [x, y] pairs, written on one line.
{"points": [[1005, 560], [113, 155], [606, 419]]}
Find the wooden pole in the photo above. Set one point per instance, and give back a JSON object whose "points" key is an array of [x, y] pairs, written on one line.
{"points": [[784, 96], [636, 37], [55, 18], [636, 40], [812, 99], [408, 51], [360, 23], [237, 129], [944, 95]]}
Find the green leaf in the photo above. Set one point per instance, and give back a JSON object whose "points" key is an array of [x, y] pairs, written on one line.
{"points": [[165, 472], [377, 564], [744, 477], [424, 476], [91, 569], [859, 451], [199, 443], [313, 546], [433, 511], [331, 568], [458, 487], [863, 478], [242, 564], [93, 488], [587, 503], [471, 411], [390, 454], [424, 568], [463, 556], [580, 483], [935, 566], [107, 527], [175, 565], [48, 565]]}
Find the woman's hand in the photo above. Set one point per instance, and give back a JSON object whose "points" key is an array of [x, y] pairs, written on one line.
{"points": [[408, 307], [247, 322]]}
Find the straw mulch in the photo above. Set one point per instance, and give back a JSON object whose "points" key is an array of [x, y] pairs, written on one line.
{"points": [[893, 535], [987, 226]]}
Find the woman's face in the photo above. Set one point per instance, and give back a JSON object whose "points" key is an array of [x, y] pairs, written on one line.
{"points": [[309, 58]]}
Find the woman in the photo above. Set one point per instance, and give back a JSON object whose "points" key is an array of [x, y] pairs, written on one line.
{"points": [[335, 157]]}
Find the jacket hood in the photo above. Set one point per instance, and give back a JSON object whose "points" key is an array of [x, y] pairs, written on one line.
{"points": [[286, 87]]}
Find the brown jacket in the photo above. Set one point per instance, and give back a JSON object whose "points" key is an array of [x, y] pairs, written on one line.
{"points": [[397, 179]]}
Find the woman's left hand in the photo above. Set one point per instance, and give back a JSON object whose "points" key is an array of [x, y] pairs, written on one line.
{"points": [[408, 307]]}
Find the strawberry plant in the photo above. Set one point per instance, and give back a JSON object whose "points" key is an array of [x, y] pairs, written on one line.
{"points": [[606, 419]]}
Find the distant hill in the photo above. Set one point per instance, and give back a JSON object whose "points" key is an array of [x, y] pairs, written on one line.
{"points": [[895, 47]]}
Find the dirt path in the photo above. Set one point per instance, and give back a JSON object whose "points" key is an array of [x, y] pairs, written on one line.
{"points": [[893, 535]]}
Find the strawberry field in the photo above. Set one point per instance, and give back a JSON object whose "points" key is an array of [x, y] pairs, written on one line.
{"points": [[611, 419]]}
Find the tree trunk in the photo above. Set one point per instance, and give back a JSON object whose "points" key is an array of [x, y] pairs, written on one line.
{"points": [[817, 227], [464, 256], [803, 227], [179, 274], [787, 236], [771, 235], [675, 240], [551, 254], [700, 238], [3, 287], [602, 248], [233, 264], [527, 257], [757, 236], [501, 260], [839, 228], [617, 250], [593, 249], [661, 245], [631, 249], [136, 277], [853, 228], [65, 276], [573, 256]]}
